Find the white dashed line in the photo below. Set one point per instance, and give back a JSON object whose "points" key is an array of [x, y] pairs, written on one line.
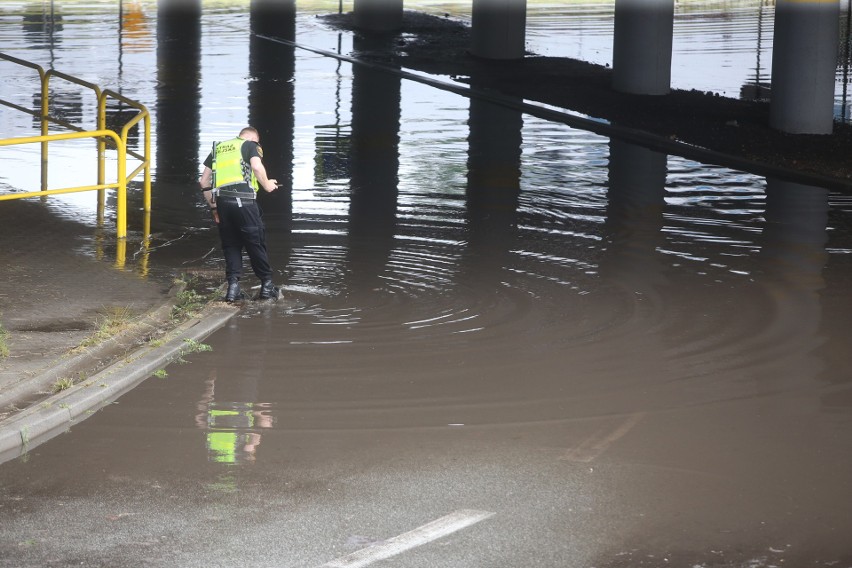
{"points": [[600, 441], [431, 531]]}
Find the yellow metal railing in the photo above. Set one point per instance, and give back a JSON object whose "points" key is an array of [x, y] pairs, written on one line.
{"points": [[102, 135]]}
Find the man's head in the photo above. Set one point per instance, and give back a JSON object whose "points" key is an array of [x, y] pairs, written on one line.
{"points": [[250, 133]]}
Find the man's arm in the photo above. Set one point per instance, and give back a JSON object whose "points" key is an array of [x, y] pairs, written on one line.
{"points": [[260, 173], [206, 183]]}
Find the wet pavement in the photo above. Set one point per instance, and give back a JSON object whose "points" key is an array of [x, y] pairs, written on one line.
{"points": [[54, 298], [565, 350]]}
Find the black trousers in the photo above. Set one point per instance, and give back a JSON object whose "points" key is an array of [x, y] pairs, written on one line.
{"points": [[241, 227]]}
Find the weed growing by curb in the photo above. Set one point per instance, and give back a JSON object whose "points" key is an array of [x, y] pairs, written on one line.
{"points": [[61, 385], [4, 342], [193, 346], [111, 322], [189, 303]]}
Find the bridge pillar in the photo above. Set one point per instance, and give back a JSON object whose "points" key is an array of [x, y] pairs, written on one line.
{"points": [[642, 46], [498, 28], [795, 235], [378, 15], [178, 89], [804, 57], [271, 98]]}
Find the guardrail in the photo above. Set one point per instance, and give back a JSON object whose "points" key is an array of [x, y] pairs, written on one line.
{"points": [[101, 134]]}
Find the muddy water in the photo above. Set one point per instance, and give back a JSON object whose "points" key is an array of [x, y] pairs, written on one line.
{"points": [[629, 358]]}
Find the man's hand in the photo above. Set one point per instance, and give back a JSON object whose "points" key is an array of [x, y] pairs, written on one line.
{"points": [[215, 213], [270, 185]]}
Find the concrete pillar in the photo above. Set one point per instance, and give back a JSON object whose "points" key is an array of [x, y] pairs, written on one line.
{"points": [[498, 28], [378, 15], [374, 173], [804, 56], [642, 46], [178, 98], [796, 234], [374, 145], [272, 65], [493, 167], [634, 217]]}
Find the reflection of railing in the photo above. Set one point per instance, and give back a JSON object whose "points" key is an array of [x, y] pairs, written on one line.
{"points": [[101, 134]]}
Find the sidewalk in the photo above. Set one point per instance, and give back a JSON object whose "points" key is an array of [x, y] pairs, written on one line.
{"points": [[52, 298]]}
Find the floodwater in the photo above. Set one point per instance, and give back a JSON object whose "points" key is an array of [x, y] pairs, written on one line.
{"points": [[624, 358]]}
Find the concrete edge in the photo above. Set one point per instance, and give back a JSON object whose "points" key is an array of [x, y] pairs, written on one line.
{"points": [[89, 360], [55, 415]]}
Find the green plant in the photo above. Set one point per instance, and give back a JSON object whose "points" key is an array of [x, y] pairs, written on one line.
{"points": [[62, 384], [193, 346], [161, 373], [189, 302], [4, 342], [109, 323]]}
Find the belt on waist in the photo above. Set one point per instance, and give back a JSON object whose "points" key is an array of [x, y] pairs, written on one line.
{"points": [[250, 197]]}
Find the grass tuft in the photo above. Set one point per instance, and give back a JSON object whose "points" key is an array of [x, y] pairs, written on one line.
{"points": [[112, 321], [4, 342], [61, 385], [189, 302]]}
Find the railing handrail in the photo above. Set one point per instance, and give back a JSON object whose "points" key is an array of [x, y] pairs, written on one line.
{"points": [[121, 175], [101, 134]]}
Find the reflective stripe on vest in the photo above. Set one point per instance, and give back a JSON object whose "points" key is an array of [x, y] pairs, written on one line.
{"points": [[229, 167]]}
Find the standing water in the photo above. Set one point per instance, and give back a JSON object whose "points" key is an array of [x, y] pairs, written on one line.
{"points": [[624, 358]]}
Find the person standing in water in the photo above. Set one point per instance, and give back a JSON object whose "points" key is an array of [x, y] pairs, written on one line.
{"points": [[233, 173]]}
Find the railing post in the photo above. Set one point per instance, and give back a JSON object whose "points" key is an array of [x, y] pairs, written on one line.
{"points": [[146, 184], [45, 91], [101, 153], [121, 192]]}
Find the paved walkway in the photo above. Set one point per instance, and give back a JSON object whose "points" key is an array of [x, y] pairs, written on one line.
{"points": [[55, 293]]}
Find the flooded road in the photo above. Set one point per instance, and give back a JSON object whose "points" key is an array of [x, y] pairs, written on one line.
{"points": [[598, 354]]}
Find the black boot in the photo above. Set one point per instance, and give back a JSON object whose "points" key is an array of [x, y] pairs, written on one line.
{"points": [[268, 291], [234, 292]]}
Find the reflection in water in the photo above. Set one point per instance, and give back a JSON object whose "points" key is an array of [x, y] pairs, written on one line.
{"points": [[374, 172], [634, 218], [41, 24], [793, 257], [271, 93], [178, 98], [271, 109], [135, 33], [567, 298], [231, 426], [495, 143]]}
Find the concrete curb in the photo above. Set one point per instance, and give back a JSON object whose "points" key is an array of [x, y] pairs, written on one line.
{"points": [[43, 421], [90, 360]]}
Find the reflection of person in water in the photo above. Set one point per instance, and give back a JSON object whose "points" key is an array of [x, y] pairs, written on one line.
{"points": [[233, 173], [231, 427]]}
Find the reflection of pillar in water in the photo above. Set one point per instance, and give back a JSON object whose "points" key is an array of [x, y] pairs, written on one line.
{"points": [[634, 219], [378, 15], [804, 57], [642, 46], [498, 28], [795, 233], [793, 256], [272, 65], [494, 176], [178, 95], [374, 166]]}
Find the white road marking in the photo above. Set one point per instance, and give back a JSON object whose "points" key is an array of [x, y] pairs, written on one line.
{"points": [[597, 443], [431, 531]]}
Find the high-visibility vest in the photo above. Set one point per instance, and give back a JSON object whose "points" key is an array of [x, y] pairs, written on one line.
{"points": [[229, 169]]}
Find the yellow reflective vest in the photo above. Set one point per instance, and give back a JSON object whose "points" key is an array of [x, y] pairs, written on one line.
{"points": [[230, 172]]}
